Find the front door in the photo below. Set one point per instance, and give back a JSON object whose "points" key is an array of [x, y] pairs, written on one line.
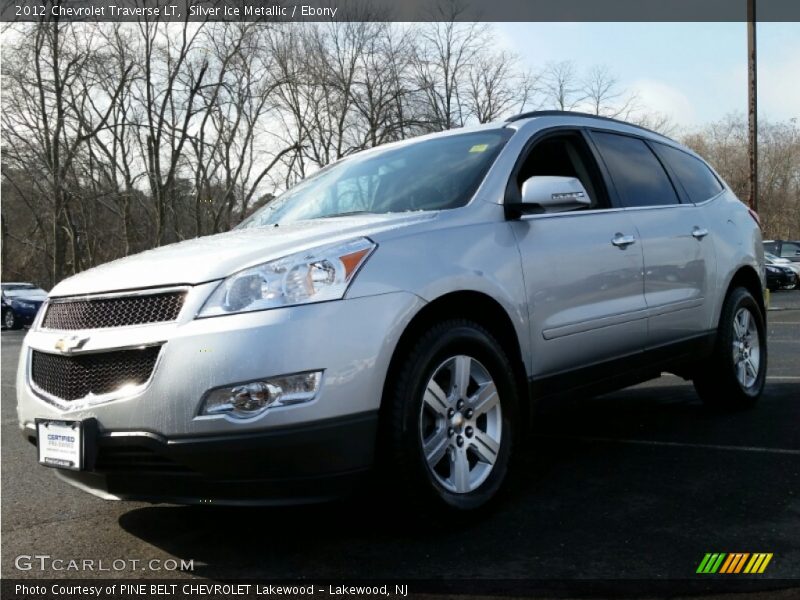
{"points": [[582, 269]]}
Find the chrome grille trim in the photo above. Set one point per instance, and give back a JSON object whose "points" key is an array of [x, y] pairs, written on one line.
{"points": [[113, 310]]}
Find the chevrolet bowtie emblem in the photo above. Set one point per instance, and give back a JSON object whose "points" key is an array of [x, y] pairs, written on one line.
{"points": [[70, 344]]}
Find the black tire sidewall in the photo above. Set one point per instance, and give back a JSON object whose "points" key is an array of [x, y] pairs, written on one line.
{"points": [[739, 395], [448, 340], [716, 381], [14, 319]]}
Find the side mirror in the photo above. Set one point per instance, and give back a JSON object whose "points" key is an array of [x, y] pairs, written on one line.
{"points": [[548, 194]]}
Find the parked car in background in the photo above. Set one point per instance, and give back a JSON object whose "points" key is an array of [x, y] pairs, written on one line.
{"points": [[21, 302], [771, 259], [780, 278], [787, 249], [402, 308]]}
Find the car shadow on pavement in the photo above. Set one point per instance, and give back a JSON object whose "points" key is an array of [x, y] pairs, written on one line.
{"points": [[637, 484]]}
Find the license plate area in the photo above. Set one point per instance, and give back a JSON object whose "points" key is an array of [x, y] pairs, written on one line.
{"points": [[61, 444]]}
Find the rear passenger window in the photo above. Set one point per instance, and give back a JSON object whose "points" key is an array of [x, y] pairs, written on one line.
{"points": [[695, 177], [638, 176], [790, 250]]}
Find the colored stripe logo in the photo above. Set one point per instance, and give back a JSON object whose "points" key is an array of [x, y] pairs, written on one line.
{"points": [[735, 562]]}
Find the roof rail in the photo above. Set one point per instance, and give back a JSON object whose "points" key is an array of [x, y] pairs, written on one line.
{"points": [[575, 113]]}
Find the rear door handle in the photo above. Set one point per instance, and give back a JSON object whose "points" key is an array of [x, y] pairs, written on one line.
{"points": [[699, 233], [623, 241]]}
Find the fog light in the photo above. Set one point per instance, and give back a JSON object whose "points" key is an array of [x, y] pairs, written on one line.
{"points": [[250, 399]]}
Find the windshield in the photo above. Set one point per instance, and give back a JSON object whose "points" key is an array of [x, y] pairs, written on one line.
{"points": [[433, 174]]}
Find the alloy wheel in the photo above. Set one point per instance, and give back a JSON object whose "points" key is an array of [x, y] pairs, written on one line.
{"points": [[746, 348], [460, 424]]}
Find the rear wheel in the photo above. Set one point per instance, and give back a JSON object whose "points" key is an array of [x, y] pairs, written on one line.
{"points": [[735, 375], [453, 406]]}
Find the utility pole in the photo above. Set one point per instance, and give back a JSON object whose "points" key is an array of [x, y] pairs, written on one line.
{"points": [[752, 101]]}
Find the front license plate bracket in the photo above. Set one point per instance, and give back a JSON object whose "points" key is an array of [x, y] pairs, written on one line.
{"points": [[67, 444]]}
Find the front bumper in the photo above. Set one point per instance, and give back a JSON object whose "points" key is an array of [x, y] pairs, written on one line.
{"points": [[784, 280], [351, 341], [25, 316], [313, 463]]}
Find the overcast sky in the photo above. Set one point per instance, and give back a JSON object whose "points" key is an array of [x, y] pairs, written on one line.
{"points": [[695, 72]]}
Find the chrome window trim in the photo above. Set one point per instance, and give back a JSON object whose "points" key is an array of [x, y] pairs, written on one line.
{"points": [[714, 197], [622, 208], [617, 209], [91, 399]]}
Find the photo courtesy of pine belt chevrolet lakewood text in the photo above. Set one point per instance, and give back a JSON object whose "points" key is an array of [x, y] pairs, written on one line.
{"points": [[400, 312]]}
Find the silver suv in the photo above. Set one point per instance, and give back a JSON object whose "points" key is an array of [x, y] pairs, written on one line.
{"points": [[405, 306]]}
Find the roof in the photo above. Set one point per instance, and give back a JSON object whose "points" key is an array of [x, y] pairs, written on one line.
{"points": [[583, 115]]}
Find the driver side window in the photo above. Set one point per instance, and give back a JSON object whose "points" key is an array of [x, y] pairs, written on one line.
{"points": [[564, 155]]}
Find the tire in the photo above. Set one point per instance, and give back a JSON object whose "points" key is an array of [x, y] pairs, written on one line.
{"points": [[471, 433], [10, 320], [733, 378]]}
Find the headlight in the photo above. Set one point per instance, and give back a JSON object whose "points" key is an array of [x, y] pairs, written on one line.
{"points": [[772, 269], [315, 275], [23, 304]]}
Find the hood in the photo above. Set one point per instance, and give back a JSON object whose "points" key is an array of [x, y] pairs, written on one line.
{"points": [[33, 297], [216, 256]]}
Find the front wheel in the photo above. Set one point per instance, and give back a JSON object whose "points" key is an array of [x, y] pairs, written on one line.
{"points": [[453, 406], [9, 320], [735, 375]]}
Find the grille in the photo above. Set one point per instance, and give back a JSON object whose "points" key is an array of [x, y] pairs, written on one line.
{"points": [[113, 312], [74, 377], [135, 459]]}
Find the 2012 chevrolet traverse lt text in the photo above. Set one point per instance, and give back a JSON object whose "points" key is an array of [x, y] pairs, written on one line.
{"points": [[402, 308]]}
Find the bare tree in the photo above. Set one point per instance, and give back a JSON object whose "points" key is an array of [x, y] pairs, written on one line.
{"points": [[145, 133], [561, 86], [230, 133], [604, 96], [54, 75], [167, 94], [498, 87], [725, 143], [447, 51]]}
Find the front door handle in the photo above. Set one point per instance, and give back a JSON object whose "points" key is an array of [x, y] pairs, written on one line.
{"points": [[699, 233], [623, 241]]}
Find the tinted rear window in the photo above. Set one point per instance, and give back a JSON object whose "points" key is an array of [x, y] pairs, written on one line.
{"points": [[695, 177], [790, 249], [638, 176]]}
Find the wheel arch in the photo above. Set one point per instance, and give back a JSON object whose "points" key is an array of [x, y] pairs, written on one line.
{"points": [[474, 306], [747, 277]]}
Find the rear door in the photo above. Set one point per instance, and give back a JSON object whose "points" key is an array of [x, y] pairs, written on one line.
{"points": [[679, 259], [584, 286]]}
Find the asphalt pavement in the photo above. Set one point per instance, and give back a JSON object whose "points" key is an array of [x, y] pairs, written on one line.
{"points": [[637, 485]]}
